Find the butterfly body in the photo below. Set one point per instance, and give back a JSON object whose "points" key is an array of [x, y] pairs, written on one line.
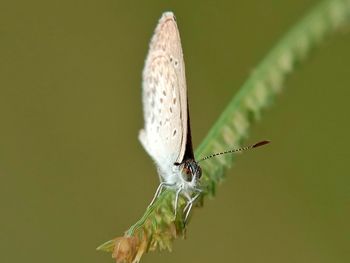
{"points": [[166, 135]]}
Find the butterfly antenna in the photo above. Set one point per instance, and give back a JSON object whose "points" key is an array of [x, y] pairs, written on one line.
{"points": [[258, 144]]}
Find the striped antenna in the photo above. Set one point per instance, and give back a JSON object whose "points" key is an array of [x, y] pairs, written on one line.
{"points": [[258, 144]]}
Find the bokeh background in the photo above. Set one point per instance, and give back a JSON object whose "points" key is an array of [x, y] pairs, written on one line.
{"points": [[73, 174]]}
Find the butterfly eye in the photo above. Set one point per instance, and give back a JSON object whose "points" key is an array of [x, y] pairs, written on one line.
{"points": [[187, 174]]}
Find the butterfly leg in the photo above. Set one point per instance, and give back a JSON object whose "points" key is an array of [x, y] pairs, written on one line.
{"points": [[189, 205], [159, 191], [178, 191], [190, 199]]}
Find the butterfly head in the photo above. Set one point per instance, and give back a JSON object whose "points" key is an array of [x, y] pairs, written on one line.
{"points": [[190, 171]]}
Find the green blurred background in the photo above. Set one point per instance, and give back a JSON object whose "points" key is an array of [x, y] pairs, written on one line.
{"points": [[73, 174]]}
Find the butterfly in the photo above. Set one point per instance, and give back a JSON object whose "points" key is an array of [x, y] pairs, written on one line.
{"points": [[166, 135]]}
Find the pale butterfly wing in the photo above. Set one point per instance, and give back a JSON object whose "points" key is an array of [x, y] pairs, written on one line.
{"points": [[164, 134]]}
